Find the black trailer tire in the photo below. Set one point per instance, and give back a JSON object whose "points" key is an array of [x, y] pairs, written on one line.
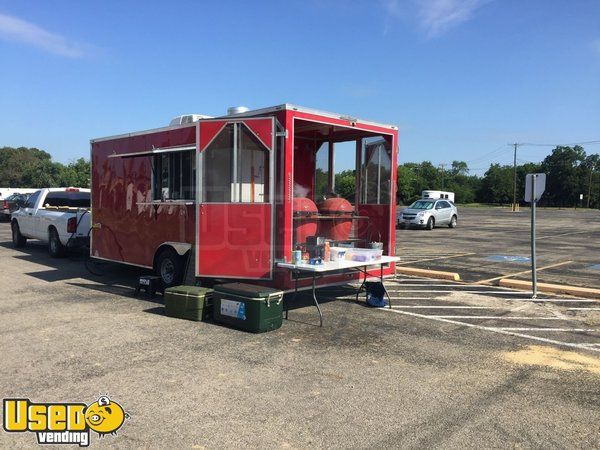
{"points": [[169, 267], [453, 222], [55, 247], [17, 238], [430, 223]]}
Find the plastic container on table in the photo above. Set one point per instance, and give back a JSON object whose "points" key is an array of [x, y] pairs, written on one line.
{"points": [[363, 254]]}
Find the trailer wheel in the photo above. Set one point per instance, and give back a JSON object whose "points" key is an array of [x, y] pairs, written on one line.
{"points": [[55, 247], [169, 266], [17, 238]]}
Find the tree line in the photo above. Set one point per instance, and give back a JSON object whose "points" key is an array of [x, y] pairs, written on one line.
{"points": [[24, 167], [569, 171]]}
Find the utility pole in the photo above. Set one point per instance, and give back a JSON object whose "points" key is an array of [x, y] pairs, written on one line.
{"points": [[514, 205], [590, 187]]}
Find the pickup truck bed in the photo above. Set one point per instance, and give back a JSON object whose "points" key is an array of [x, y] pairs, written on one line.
{"points": [[57, 216]]}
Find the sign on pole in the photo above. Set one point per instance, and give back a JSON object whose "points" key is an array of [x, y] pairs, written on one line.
{"points": [[540, 186], [535, 183]]}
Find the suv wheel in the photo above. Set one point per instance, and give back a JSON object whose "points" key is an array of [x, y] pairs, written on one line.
{"points": [[430, 223], [453, 222]]}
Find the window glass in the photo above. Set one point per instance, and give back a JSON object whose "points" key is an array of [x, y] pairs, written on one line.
{"points": [[235, 168], [421, 204], [376, 170], [217, 174], [31, 200], [174, 176], [253, 169], [322, 172], [344, 168], [79, 199], [56, 199]]}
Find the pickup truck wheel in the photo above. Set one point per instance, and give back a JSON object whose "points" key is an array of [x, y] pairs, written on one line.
{"points": [[430, 223], [55, 247], [169, 266], [18, 239], [453, 222]]}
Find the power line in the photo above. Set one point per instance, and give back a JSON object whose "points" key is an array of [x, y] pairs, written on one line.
{"points": [[560, 145]]}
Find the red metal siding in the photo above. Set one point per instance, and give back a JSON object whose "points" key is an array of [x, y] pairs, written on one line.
{"points": [[131, 230]]}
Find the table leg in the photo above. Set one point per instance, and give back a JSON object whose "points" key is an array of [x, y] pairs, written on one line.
{"points": [[364, 271], [287, 309], [315, 299], [383, 284]]}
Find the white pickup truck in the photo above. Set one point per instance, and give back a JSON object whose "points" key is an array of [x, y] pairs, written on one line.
{"points": [[58, 216]]}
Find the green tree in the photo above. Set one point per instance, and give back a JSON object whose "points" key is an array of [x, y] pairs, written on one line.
{"points": [[76, 173], [563, 182], [497, 185]]}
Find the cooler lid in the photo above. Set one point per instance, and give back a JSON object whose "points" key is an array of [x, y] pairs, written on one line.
{"points": [[195, 291], [247, 290]]}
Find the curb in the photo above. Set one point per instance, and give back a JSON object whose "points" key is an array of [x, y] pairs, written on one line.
{"points": [[552, 288], [453, 276]]}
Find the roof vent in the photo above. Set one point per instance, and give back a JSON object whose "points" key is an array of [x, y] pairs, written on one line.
{"points": [[237, 110], [187, 118]]}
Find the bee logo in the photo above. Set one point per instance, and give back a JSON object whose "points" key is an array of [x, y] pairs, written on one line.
{"points": [[105, 416]]}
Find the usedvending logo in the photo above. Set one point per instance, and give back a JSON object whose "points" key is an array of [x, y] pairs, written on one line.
{"points": [[63, 423]]}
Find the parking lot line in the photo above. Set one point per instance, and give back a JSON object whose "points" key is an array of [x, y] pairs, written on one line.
{"points": [[587, 330], [433, 259], [554, 300], [489, 280], [445, 307], [494, 330], [563, 234], [436, 291], [583, 309], [498, 317]]}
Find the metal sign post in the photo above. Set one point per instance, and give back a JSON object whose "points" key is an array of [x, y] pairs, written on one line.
{"points": [[535, 183], [533, 254]]}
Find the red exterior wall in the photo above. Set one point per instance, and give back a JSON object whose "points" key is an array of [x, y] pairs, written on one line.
{"points": [[130, 230]]}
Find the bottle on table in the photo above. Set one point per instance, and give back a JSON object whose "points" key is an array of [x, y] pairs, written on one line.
{"points": [[327, 252]]}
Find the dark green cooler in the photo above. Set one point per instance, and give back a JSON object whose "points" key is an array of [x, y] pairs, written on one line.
{"points": [[248, 307], [188, 302]]}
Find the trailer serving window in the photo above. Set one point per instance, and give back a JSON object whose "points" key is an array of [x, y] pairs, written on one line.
{"points": [[376, 170], [235, 168], [174, 175]]}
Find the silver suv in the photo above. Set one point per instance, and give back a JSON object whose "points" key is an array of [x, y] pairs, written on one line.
{"points": [[428, 213]]}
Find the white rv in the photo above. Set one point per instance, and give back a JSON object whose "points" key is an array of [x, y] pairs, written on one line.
{"points": [[438, 194]]}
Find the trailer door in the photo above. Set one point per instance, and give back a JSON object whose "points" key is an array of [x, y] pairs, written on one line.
{"points": [[235, 206]]}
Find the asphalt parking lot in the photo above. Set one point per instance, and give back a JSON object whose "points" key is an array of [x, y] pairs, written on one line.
{"points": [[490, 243], [442, 368]]}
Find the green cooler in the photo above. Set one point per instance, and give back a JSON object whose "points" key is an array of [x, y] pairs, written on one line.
{"points": [[248, 307], [188, 302]]}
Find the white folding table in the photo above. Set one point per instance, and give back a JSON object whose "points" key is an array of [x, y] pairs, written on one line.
{"points": [[319, 270]]}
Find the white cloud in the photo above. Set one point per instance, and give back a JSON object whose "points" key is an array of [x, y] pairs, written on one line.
{"points": [[14, 29], [438, 16], [434, 17]]}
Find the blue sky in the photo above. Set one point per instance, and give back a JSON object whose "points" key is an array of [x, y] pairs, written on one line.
{"points": [[461, 79]]}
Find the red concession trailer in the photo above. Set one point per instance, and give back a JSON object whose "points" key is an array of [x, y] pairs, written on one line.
{"points": [[223, 191]]}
